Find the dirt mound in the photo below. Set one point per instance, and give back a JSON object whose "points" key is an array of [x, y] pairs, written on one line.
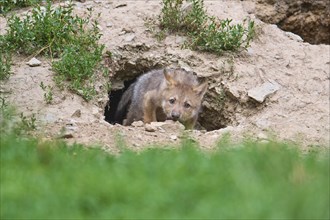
{"points": [[309, 19], [279, 87]]}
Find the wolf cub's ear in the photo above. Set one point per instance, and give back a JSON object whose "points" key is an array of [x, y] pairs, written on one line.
{"points": [[169, 78], [201, 89]]}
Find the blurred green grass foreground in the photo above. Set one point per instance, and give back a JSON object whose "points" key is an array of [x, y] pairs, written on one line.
{"points": [[54, 181]]}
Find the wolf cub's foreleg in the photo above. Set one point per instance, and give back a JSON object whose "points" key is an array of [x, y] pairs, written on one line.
{"points": [[149, 108]]}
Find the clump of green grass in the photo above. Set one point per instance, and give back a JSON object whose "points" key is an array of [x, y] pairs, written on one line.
{"points": [[58, 33], [14, 123], [48, 95], [78, 65], [206, 33], [49, 30], [5, 58], [5, 64], [8, 5], [253, 181]]}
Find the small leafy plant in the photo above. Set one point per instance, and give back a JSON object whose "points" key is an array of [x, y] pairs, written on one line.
{"points": [[5, 58], [48, 95], [28, 123], [206, 33], [56, 32], [77, 66], [8, 5], [49, 30]]}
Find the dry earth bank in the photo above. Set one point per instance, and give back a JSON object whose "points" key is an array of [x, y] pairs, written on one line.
{"points": [[294, 74]]}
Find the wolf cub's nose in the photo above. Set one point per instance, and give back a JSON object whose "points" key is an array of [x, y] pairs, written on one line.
{"points": [[175, 116]]}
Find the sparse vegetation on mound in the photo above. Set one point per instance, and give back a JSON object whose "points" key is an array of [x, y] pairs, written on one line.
{"points": [[8, 5], [58, 33], [206, 33]]}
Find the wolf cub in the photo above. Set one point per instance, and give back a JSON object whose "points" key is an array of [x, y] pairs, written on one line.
{"points": [[166, 94]]}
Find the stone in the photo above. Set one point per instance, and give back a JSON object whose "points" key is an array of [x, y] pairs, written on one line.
{"points": [[233, 92], [66, 134], [173, 137], [150, 127], [95, 111], [121, 5], [109, 24], [262, 92], [169, 126], [34, 62], [293, 36], [137, 124], [129, 37], [77, 113]]}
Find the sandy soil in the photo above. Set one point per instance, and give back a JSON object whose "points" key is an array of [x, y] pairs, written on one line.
{"points": [[298, 111]]}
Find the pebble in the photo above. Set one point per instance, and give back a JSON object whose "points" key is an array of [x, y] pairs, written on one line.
{"points": [[34, 62], [233, 92], [129, 37], [137, 124], [173, 137], [150, 127], [262, 92], [77, 113], [66, 134], [121, 5], [293, 36]]}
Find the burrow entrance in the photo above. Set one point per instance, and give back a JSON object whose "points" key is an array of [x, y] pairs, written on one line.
{"points": [[210, 118], [112, 105], [307, 18]]}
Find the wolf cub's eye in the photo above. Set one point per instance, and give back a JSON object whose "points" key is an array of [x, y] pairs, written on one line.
{"points": [[186, 105], [171, 100]]}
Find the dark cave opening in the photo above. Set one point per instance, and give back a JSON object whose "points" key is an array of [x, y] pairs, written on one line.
{"points": [[112, 105]]}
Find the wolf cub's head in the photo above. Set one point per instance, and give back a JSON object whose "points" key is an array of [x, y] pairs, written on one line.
{"points": [[182, 96]]}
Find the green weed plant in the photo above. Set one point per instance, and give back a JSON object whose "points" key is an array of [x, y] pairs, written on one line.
{"points": [[205, 33], [9, 5], [56, 32]]}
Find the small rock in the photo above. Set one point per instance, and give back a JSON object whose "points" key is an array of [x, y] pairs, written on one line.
{"points": [[137, 124], [262, 136], [77, 113], [109, 24], [173, 137], [262, 123], [127, 30], [170, 126], [293, 36], [95, 111], [150, 127], [71, 122], [66, 134], [233, 92], [262, 92], [129, 37], [71, 128], [180, 40], [121, 5], [34, 62]]}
